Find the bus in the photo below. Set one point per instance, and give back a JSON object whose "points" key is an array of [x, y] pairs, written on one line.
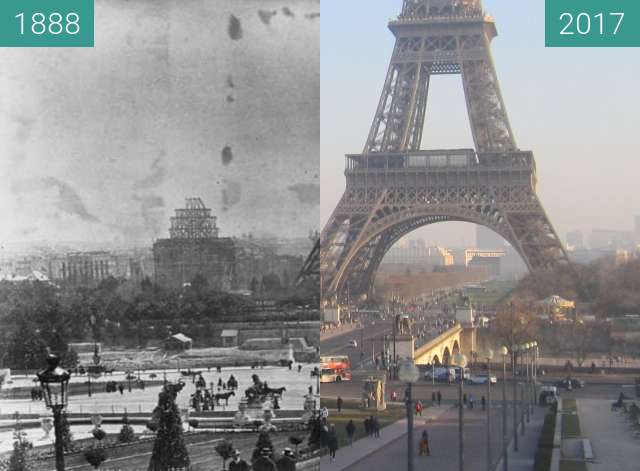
{"points": [[335, 369]]}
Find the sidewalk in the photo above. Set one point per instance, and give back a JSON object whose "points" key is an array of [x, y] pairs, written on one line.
{"points": [[614, 446], [523, 459], [347, 456]]}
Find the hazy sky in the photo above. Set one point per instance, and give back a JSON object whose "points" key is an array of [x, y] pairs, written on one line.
{"points": [[576, 109], [210, 98]]}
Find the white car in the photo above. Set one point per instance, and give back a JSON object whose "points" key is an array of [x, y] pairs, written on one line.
{"points": [[481, 379], [352, 344]]}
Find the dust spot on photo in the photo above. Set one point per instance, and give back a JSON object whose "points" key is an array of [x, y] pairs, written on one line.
{"points": [[156, 177], [235, 28], [312, 16], [231, 194], [230, 99], [307, 193], [287, 12], [227, 155], [265, 16], [230, 83]]}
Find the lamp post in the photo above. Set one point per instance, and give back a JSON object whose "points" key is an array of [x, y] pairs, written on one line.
{"points": [[514, 398], [504, 351], [409, 374], [460, 361], [527, 383], [535, 372], [489, 457], [54, 381], [522, 348]]}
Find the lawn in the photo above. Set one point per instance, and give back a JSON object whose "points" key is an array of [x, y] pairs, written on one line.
{"points": [[573, 466], [570, 426], [351, 411]]}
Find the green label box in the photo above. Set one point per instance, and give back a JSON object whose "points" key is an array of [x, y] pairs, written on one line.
{"points": [[46, 23], [592, 23]]}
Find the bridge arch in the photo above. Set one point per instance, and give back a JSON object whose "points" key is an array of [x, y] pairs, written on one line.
{"points": [[456, 348], [361, 263], [436, 360], [446, 356]]}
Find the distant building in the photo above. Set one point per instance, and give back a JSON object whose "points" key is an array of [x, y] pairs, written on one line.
{"points": [[575, 240], [229, 337], [416, 252], [609, 239], [82, 268], [178, 342], [194, 249]]}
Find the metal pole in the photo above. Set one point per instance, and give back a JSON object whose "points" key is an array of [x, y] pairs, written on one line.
{"points": [[489, 457], [409, 428], [504, 414], [514, 401], [433, 372], [523, 404], [59, 446], [527, 388], [461, 422]]}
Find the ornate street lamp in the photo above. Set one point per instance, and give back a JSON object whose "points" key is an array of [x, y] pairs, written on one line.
{"points": [[460, 361], [54, 382], [489, 457], [504, 351], [409, 373]]}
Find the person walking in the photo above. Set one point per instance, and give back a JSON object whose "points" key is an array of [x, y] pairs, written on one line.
{"points": [[237, 463], [351, 431], [464, 399], [333, 442], [433, 398], [376, 427], [470, 401], [286, 461], [367, 426], [439, 395], [483, 401], [339, 404], [419, 407], [121, 389], [424, 444], [264, 461]]}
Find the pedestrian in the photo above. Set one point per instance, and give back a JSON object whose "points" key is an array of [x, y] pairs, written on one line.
{"points": [[376, 427], [121, 388], [464, 399], [419, 408], [299, 368], [424, 444], [367, 426], [433, 398], [310, 390], [394, 396], [333, 442], [339, 404], [264, 462], [287, 461], [237, 463], [483, 401], [439, 398], [351, 431], [470, 401]]}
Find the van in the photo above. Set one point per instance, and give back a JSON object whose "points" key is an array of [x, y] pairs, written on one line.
{"points": [[441, 374]]}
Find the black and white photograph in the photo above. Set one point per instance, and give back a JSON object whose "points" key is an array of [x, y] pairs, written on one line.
{"points": [[159, 278]]}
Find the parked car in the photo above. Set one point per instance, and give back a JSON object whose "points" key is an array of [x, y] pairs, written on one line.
{"points": [[481, 378], [352, 344], [570, 383]]}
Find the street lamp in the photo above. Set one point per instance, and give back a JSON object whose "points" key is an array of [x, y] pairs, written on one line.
{"points": [[409, 374], [504, 351], [489, 457], [527, 384], [514, 362], [535, 372], [54, 382], [460, 361], [523, 405]]}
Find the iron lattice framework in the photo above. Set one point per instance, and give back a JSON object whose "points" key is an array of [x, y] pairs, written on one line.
{"points": [[394, 187], [194, 221]]}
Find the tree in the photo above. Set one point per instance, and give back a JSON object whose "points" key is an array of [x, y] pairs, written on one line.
{"points": [[264, 441], [126, 435], [19, 460], [579, 341], [169, 449], [515, 322]]}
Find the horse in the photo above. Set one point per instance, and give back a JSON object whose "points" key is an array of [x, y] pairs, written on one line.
{"points": [[275, 392], [224, 396]]}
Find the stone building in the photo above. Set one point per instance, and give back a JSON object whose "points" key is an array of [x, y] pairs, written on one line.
{"points": [[194, 249], [82, 268]]}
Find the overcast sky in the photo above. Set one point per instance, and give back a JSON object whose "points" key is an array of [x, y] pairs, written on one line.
{"points": [[576, 109], [210, 98]]}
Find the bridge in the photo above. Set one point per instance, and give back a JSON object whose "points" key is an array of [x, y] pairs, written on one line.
{"points": [[441, 349]]}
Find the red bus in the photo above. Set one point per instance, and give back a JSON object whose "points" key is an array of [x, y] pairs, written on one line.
{"points": [[335, 369]]}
